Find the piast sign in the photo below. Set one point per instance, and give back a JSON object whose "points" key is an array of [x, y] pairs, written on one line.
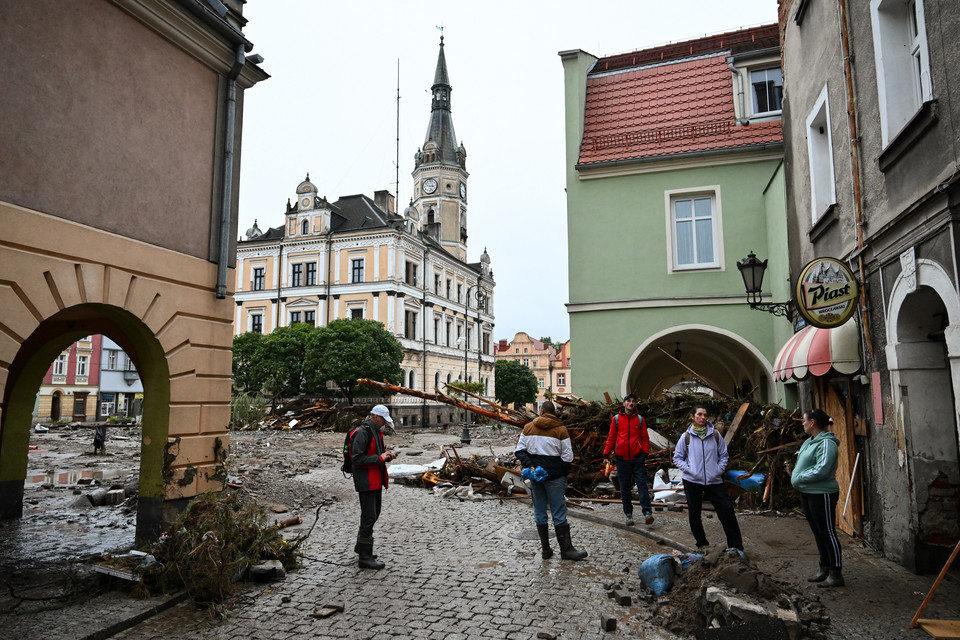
{"points": [[826, 293]]}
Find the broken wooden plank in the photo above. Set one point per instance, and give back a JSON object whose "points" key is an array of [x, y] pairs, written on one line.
{"points": [[742, 411]]}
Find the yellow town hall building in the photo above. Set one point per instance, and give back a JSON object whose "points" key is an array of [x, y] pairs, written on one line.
{"points": [[358, 258]]}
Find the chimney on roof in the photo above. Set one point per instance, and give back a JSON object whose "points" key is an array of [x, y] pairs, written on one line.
{"points": [[502, 346], [385, 201]]}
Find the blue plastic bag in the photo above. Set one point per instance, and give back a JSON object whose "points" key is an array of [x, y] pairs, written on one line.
{"points": [[752, 482], [658, 573]]}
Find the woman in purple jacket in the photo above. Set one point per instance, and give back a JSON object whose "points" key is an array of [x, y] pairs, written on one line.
{"points": [[702, 456]]}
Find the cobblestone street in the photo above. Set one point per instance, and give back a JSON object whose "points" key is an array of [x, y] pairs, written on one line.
{"points": [[455, 570]]}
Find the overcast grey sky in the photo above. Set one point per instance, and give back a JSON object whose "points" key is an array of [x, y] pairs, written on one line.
{"points": [[330, 109]]}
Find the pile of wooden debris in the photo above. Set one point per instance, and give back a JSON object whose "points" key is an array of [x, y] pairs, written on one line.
{"points": [[762, 438]]}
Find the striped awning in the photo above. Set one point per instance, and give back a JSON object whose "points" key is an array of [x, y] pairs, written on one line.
{"points": [[814, 351]]}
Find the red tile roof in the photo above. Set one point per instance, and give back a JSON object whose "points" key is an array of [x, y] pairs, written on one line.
{"points": [[674, 104]]}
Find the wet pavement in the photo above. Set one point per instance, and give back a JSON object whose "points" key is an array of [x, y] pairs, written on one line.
{"points": [[465, 569]]}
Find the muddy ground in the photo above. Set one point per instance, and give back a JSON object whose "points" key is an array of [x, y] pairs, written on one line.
{"points": [[45, 557]]}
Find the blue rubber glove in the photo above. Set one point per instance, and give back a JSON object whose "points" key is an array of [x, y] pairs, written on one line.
{"points": [[538, 474]]}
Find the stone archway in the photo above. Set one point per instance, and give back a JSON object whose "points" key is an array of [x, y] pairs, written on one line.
{"points": [[730, 361], [160, 307], [923, 356]]}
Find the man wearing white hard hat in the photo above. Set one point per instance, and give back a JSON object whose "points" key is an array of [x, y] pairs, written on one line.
{"points": [[370, 458]]}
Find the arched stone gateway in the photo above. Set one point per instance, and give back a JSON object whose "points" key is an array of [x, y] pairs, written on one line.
{"points": [[923, 356], [729, 362], [159, 306]]}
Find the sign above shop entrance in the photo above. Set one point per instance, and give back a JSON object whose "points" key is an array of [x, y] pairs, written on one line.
{"points": [[826, 293]]}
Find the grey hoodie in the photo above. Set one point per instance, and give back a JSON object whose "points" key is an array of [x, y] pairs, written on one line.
{"points": [[704, 461]]}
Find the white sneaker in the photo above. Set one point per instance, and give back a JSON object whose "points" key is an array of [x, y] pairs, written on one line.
{"points": [[630, 520]]}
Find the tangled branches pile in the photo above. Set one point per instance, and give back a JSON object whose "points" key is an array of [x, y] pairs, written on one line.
{"points": [[212, 544]]}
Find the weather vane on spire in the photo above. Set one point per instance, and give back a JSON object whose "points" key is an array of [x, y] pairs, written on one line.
{"points": [[441, 28]]}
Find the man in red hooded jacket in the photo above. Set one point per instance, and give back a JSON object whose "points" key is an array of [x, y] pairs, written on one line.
{"points": [[630, 444]]}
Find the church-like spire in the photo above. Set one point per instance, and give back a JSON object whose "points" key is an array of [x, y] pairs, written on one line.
{"points": [[440, 145]]}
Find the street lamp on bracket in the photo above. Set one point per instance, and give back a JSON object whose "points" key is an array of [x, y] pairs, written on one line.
{"points": [[751, 270]]}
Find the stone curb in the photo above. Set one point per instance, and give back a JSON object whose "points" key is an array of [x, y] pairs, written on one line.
{"points": [[134, 620]]}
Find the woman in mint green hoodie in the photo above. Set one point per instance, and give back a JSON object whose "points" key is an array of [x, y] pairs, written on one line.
{"points": [[815, 477]]}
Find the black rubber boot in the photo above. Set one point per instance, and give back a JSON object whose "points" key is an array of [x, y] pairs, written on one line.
{"points": [[367, 559], [834, 579], [820, 576], [544, 532], [356, 549], [567, 551]]}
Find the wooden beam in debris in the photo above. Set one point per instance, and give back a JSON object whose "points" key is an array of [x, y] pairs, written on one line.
{"points": [[500, 414], [732, 431]]}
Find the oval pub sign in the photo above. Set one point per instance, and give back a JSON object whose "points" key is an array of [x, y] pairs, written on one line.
{"points": [[826, 293]]}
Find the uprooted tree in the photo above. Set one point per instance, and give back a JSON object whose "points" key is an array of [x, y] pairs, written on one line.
{"points": [[348, 349], [515, 383]]}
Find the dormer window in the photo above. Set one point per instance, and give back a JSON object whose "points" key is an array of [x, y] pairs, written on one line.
{"points": [[766, 91], [757, 87]]}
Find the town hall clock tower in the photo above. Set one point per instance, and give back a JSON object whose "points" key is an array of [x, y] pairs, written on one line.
{"points": [[440, 172]]}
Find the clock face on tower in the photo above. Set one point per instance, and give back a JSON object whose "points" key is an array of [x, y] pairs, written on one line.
{"points": [[463, 190], [429, 185], [304, 203]]}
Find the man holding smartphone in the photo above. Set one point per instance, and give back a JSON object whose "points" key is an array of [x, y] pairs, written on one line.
{"points": [[370, 458]]}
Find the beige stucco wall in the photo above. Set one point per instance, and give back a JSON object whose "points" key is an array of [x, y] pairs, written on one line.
{"points": [[169, 293]]}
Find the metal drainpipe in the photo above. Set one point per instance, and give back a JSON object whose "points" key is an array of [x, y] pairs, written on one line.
{"points": [[855, 170], [424, 412], [279, 281], [326, 321], [736, 72], [226, 203]]}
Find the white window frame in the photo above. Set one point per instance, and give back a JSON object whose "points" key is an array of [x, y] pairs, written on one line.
{"points": [[111, 359], [263, 277], [357, 306], [670, 198], [60, 365], [756, 69], [743, 88], [823, 187], [255, 314], [561, 379], [353, 270], [902, 61], [83, 366]]}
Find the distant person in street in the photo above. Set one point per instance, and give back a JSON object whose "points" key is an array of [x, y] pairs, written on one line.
{"points": [[630, 444], [100, 439], [815, 477], [702, 455], [545, 443], [370, 457]]}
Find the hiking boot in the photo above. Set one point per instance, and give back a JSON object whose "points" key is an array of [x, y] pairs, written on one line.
{"points": [[649, 519], [629, 519]]}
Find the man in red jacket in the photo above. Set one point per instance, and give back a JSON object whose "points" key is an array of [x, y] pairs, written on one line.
{"points": [[370, 459], [630, 444]]}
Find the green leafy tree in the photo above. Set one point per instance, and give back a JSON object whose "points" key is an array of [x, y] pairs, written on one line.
{"points": [[515, 383], [249, 374], [283, 357], [348, 349], [548, 341]]}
